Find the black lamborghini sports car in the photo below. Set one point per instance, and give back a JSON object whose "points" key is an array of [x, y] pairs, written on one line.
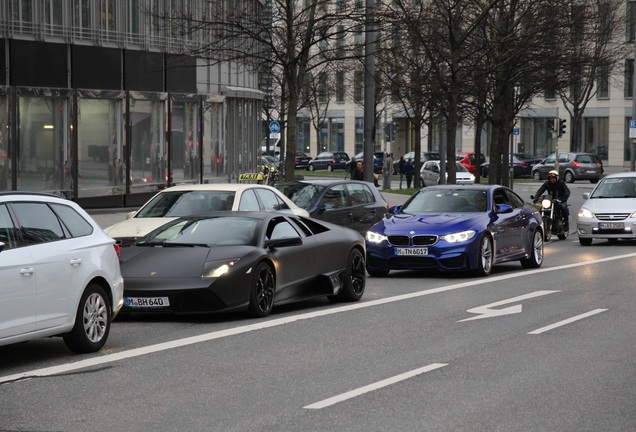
{"points": [[250, 261]]}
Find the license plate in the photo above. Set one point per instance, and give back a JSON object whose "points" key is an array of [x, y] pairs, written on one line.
{"points": [[411, 251], [146, 302], [591, 171], [611, 225]]}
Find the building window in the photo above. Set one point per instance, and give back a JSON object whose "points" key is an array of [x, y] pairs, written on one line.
{"points": [[630, 21], [602, 83], [340, 91], [323, 93], [359, 140], [596, 136], [358, 87], [629, 78]]}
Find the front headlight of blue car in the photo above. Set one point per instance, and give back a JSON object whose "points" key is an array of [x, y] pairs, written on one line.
{"points": [[215, 269], [374, 237], [458, 237]]}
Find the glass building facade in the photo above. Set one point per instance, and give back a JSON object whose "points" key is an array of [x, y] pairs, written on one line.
{"points": [[97, 104]]}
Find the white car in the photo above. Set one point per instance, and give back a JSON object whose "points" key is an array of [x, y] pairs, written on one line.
{"points": [[186, 200], [59, 273], [429, 174], [610, 210]]}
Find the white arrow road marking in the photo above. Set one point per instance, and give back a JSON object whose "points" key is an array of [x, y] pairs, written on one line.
{"points": [[375, 386], [567, 321], [487, 312]]}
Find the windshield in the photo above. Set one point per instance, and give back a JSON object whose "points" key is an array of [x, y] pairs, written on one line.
{"points": [[214, 231], [302, 194], [622, 187], [186, 203], [447, 201]]}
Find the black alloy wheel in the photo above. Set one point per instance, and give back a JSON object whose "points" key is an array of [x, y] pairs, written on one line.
{"points": [[262, 291]]}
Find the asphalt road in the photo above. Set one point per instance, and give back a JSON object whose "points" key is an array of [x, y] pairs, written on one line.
{"points": [[550, 349]]}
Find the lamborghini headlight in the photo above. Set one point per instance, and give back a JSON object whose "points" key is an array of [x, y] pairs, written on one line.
{"points": [[458, 237], [374, 237], [585, 213], [215, 269]]}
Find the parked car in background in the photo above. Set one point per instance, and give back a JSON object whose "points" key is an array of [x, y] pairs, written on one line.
{"points": [[350, 203], [329, 161], [424, 156], [301, 160], [59, 273], [239, 261], [572, 167], [522, 164], [609, 212], [469, 160], [378, 161], [430, 174], [457, 228], [186, 200]]}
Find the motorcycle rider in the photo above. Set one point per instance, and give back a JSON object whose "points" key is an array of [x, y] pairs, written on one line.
{"points": [[557, 189]]}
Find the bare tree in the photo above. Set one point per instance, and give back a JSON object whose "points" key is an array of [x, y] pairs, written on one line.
{"points": [[293, 36]]}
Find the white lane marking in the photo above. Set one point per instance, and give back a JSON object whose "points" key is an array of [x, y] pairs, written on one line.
{"points": [[567, 321], [375, 386], [486, 312], [108, 358]]}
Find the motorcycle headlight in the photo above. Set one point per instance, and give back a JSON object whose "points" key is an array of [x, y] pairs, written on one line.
{"points": [[374, 237], [546, 203], [458, 237], [215, 269], [585, 213]]}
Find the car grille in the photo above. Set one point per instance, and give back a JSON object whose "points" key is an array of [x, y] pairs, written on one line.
{"points": [[418, 240], [612, 216]]}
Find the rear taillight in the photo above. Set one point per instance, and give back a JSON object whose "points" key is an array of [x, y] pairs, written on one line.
{"points": [[117, 249], [523, 163], [576, 164]]}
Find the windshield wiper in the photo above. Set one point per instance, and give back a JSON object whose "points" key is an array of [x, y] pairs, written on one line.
{"points": [[173, 244]]}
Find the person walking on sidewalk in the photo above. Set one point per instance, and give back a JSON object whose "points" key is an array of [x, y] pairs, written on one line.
{"points": [[409, 169], [388, 171], [401, 164]]}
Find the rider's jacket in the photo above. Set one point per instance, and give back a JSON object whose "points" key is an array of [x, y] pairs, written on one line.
{"points": [[559, 190]]}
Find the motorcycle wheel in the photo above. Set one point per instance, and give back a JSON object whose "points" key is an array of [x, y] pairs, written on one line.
{"points": [[547, 227]]}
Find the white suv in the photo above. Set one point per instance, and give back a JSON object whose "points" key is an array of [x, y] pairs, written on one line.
{"points": [[59, 273]]}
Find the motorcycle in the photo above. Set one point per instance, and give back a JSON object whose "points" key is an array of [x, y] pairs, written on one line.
{"points": [[552, 217], [269, 176]]}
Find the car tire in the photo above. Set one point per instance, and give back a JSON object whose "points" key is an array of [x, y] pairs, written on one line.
{"points": [[585, 241], [329, 168], [92, 321], [485, 256], [535, 258], [484, 172], [354, 278], [262, 291], [536, 176], [569, 177]]}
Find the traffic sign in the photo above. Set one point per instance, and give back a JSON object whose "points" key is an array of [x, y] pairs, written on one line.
{"points": [[632, 128], [515, 131], [274, 127]]}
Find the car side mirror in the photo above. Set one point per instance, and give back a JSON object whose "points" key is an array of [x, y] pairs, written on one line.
{"points": [[1, 246], [586, 195], [394, 210], [129, 215], [503, 208], [283, 242]]}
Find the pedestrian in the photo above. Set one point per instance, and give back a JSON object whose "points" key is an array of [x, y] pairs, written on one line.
{"points": [[388, 171], [352, 167], [401, 164], [358, 173], [409, 169]]}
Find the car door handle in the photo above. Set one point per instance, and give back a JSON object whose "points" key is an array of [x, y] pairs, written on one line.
{"points": [[75, 262], [27, 271]]}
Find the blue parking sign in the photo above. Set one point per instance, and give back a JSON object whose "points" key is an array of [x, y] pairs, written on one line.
{"points": [[632, 124]]}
